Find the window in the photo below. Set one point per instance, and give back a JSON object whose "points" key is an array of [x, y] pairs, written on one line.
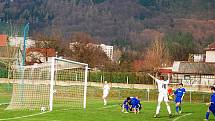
{"points": [[186, 77]]}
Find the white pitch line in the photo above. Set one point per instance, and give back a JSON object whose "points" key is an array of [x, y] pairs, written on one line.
{"points": [[4, 103], [19, 117], [36, 114], [182, 116], [26, 116], [108, 106]]}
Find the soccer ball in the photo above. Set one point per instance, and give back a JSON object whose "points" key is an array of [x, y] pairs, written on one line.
{"points": [[43, 109]]}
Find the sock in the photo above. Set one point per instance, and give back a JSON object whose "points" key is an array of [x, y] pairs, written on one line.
{"points": [[168, 107], [177, 108], [158, 108], [105, 102], [207, 115], [214, 113], [169, 110]]}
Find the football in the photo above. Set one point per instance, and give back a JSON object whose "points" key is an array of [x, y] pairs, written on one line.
{"points": [[43, 109]]}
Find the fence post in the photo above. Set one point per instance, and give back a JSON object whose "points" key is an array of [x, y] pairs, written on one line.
{"points": [[203, 98], [148, 91], [127, 79], [119, 94], [76, 77], [101, 78]]}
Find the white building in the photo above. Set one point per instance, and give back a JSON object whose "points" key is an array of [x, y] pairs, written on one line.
{"points": [[108, 50], [199, 57], [18, 41], [210, 53]]}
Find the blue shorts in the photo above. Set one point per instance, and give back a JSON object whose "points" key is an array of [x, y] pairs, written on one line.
{"points": [[126, 107], [212, 108], [178, 100], [137, 106], [134, 106]]}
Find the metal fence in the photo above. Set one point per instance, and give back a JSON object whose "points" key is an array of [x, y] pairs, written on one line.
{"points": [[119, 91], [149, 94], [120, 77]]}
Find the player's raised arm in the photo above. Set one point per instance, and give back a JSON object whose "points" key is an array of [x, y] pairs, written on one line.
{"points": [[153, 77]]}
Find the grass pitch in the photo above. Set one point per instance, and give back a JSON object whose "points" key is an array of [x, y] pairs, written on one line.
{"points": [[97, 112]]}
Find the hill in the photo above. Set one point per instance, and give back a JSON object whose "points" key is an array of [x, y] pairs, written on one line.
{"points": [[109, 21]]}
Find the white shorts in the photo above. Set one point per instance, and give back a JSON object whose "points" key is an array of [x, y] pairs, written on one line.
{"points": [[162, 97], [105, 95]]}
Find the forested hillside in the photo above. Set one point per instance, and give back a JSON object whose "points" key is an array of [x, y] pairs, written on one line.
{"points": [[127, 24]]}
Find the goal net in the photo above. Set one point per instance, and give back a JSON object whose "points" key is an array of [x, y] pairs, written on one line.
{"points": [[57, 84]]}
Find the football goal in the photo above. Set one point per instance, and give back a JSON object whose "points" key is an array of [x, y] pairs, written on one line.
{"points": [[52, 85]]}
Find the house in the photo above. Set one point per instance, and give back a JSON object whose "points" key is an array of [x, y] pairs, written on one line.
{"points": [[19, 42], [15, 41], [210, 53], [39, 55], [197, 57], [3, 40], [165, 70], [198, 70], [199, 73], [6, 52]]}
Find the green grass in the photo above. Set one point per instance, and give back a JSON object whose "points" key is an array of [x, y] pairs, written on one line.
{"points": [[97, 112]]}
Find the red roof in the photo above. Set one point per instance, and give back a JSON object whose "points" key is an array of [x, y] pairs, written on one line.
{"points": [[166, 70], [3, 40], [211, 46], [49, 52]]}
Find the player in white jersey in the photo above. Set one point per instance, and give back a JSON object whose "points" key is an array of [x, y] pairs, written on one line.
{"points": [[106, 90], [163, 94]]}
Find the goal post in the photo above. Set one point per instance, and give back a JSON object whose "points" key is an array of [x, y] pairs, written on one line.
{"points": [[85, 87], [57, 84], [52, 84]]}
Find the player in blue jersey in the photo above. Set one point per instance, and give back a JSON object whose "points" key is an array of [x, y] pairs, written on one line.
{"points": [[135, 105], [211, 105], [131, 104], [126, 105], [179, 94]]}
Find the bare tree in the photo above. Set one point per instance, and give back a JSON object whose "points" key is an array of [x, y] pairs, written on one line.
{"points": [[84, 49], [156, 56]]}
